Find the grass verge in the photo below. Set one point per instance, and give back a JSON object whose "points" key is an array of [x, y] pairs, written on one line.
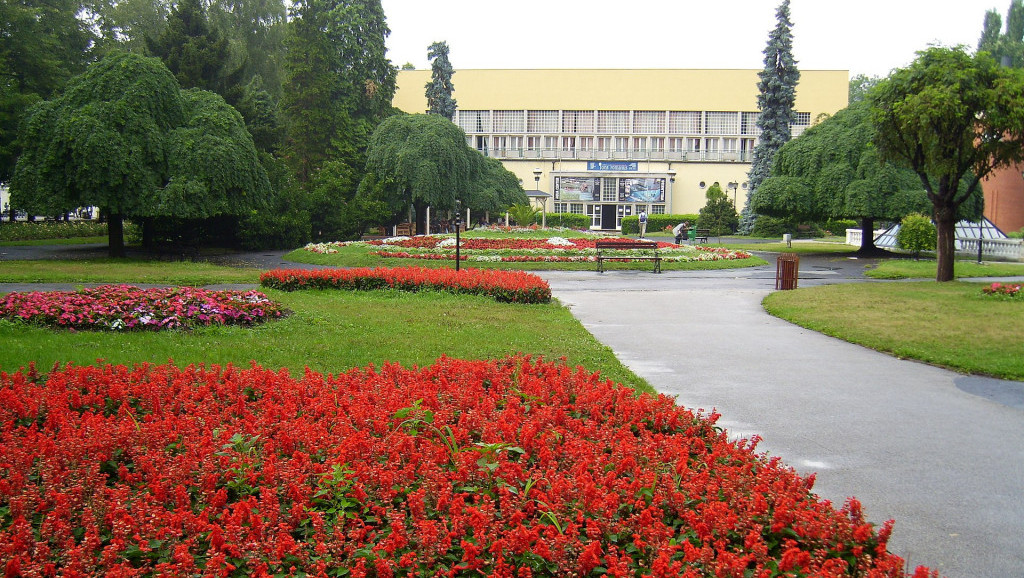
{"points": [[926, 269], [332, 331], [119, 270], [42, 242], [952, 325]]}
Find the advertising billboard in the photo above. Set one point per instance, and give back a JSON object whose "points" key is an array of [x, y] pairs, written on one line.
{"points": [[577, 189], [641, 190]]}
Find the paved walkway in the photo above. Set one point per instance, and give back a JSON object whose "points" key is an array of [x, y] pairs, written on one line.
{"points": [[941, 453]]}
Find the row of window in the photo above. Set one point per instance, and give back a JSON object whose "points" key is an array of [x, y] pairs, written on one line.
{"points": [[613, 144], [645, 122]]}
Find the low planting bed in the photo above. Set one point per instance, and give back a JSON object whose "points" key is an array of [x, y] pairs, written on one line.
{"points": [[513, 467], [516, 250], [125, 307], [505, 286]]}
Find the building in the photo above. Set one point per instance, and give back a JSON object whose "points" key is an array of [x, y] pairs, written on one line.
{"points": [[607, 142], [1004, 198]]}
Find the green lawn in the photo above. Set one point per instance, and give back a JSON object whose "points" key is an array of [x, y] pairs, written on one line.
{"points": [[926, 269], [331, 331], [948, 324], [110, 270]]}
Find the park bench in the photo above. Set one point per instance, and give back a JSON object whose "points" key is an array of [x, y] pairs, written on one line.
{"points": [[619, 245], [701, 236]]}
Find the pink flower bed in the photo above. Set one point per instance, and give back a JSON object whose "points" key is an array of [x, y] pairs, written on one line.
{"points": [[510, 468], [1011, 290], [124, 307]]}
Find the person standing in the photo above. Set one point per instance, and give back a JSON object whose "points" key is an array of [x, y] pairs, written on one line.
{"points": [[643, 222]]}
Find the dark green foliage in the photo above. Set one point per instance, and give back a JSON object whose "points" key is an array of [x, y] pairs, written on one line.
{"points": [[569, 221], [124, 137], [655, 223], [42, 45], [256, 30], [833, 171], [494, 189], [769, 227], [285, 224], [440, 87], [339, 85], [423, 160], [213, 165], [197, 53], [261, 116], [719, 214], [950, 116], [916, 234], [775, 101]]}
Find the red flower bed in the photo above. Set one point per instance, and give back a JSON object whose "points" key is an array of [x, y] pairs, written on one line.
{"points": [[116, 307], [507, 286], [502, 468]]}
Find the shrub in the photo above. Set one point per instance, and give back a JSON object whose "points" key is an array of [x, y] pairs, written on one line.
{"points": [[916, 234], [523, 215], [719, 215], [769, 227], [568, 220], [655, 223], [509, 467], [42, 230]]}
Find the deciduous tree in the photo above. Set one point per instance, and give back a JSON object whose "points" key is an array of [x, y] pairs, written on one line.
{"points": [[950, 116], [124, 137], [423, 160]]}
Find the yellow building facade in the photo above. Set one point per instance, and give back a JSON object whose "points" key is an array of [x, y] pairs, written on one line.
{"points": [[607, 143]]}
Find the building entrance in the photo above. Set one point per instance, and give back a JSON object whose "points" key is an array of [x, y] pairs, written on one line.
{"points": [[608, 217]]}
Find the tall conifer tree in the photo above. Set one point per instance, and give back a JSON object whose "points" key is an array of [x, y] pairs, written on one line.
{"points": [[440, 87], [775, 100]]}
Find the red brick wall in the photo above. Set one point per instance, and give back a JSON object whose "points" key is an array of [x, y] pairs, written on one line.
{"points": [[1004, 198]]}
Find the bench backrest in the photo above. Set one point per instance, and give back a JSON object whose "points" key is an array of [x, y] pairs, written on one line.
{"points": [[624, 245]]}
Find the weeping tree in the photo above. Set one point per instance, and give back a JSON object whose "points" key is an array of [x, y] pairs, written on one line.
{"points": [[950, 116], [775, 100], [440, 87], [422, 160], [124, 137], [832, 171]]}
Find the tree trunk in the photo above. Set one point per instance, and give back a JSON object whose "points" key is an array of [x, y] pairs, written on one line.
{"points": [[867, 240], [421, 217], [115, 235], [147, 232], [945, 224]]}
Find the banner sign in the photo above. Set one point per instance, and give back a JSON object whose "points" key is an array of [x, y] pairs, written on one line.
{"points": [[612, 166], [641, 190], [577, 189]]}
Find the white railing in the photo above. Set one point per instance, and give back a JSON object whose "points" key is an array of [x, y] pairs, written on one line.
{"points": [[1001, 248]]}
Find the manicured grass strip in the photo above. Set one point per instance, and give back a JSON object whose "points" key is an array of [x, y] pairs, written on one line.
{"points": [[43, 242], [331, 331], [952, 324], [505, 286], [925, 269], [802, 247], [123, 270]]}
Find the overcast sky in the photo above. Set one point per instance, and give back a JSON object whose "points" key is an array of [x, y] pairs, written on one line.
{"points": [[865, 37]]}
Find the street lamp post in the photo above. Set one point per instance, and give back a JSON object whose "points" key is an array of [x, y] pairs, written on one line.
{"points": [[544, 207], [458, 226], [734, 186]]}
